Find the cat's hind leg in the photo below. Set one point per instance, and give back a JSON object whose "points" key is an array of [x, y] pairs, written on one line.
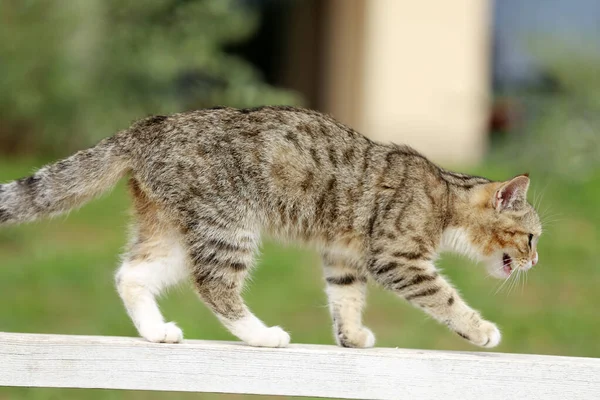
{"points": [[140, 280], [346, 290], [221, 260], [155, 261]]}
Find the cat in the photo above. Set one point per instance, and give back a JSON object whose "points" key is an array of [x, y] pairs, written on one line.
{"points": [[206, 184]]}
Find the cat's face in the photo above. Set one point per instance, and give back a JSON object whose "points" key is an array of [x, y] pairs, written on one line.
{"points": [[506, 232]]}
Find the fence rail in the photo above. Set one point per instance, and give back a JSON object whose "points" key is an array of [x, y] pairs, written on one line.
{"points": [[34, 360]]}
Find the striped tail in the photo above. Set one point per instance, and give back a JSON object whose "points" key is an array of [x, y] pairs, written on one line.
{"points": [[65, 185]]}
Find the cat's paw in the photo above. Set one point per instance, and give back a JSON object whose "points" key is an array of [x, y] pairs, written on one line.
{"points": [[269, 337], [361, 338], [162, 333], [486, 334]]}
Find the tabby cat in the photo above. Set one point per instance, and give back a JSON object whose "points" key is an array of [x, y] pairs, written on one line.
{"points": [[206, 184]]}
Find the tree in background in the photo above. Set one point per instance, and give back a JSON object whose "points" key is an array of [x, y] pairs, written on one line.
{"points": [[74, 72]]}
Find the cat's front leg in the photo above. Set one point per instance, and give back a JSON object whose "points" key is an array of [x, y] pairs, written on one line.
{"points": [[346, 291], [419, 282]]}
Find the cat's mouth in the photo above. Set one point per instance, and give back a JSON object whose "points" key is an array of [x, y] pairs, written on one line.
{"points": [[506, 264]]}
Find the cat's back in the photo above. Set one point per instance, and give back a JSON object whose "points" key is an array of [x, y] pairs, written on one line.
{"points": [[283, 143], [264, 133], [251, 125]]}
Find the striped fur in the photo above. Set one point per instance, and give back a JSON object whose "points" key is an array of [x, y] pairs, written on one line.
{"points": [[206, 184]]}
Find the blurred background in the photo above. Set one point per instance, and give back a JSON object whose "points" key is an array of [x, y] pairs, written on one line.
{"points": [[496, 88]]}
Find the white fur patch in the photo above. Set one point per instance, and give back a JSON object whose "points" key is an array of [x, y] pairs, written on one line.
{"points": [[162, 333], [252, 331], [456, 240], [138, 285]]}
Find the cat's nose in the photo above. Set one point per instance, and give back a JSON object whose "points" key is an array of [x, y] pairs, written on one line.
{"points": [[535, 259]]}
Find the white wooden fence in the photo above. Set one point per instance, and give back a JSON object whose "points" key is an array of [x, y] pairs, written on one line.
{"points": [[301, 370]]}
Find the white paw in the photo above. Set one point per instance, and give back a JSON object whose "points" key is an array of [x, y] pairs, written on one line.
{"points": [[492, 333], [369, 338], [269, 337], [362, 338], [486, 334], [163, 333]]}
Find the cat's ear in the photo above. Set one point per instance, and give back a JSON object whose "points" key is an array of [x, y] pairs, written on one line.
{"points": [[512, 194]]}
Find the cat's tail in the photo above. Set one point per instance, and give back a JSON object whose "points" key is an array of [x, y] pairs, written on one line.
{"points": [[65, 185]]}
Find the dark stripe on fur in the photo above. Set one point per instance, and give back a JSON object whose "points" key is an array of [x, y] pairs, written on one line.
{"points": [[423, 293], [418, 280], [222, 246], [237, 267], [386, 268], [292, 137], [4, 215], [408, 255], [397, 281], [341, 280]]}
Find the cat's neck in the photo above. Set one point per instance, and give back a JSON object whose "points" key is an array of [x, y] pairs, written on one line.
{"points": [[455, 240], [459, 214]]}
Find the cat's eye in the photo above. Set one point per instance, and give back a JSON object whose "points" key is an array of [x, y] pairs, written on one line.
{"points": [[530, 239]]}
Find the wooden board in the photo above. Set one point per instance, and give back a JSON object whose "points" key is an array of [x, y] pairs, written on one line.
{"points": [[300, 370]]}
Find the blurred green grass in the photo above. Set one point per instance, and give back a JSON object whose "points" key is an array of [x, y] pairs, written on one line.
{"points": [[57, 277]]}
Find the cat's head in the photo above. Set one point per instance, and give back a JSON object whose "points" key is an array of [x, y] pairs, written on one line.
{"points": [[501, 228]]}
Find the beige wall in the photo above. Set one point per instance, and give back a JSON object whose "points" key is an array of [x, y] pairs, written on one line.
{"points": [[412, 72], [343, 56]]}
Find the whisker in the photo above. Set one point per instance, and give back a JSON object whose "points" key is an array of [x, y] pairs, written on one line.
{"points": [[535, 198], [547, 216], [545, 213], [547, 224], [495, 269], [552, 221], [513, 279], [504, 283], [553, 218], [514, 282], [517, 279], [543, 192], [539, 196], [521, 281]]}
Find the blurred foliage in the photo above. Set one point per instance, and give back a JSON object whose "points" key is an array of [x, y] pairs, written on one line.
{"points": [[559, 136], [74, 72]]}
